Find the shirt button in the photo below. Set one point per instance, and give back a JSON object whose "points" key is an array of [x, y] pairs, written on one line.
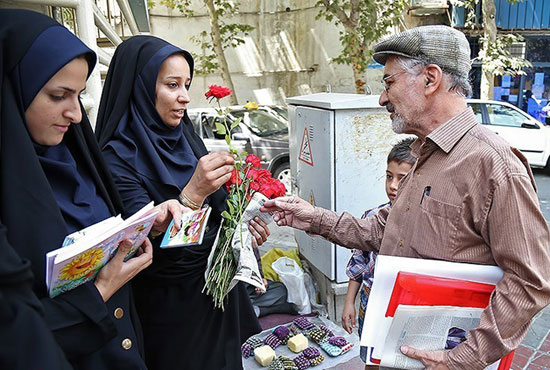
{"points": [[417, 172], [400, 244], [119, 312], [408, 207], [126, 344]]}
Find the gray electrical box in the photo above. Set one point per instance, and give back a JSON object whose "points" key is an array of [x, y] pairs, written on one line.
{"points": [[338, 149]]}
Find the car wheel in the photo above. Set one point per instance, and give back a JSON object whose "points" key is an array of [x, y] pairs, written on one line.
{"points": [[282, 173]]}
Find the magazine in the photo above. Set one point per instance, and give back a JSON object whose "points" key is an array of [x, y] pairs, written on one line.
{"points": [[85, 252], [191, 232], [427, 328]]}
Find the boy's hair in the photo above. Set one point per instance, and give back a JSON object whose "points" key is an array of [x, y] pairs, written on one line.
{"points": [[401, 152]]}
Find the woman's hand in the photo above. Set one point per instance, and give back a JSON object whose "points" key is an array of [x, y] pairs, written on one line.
{"points": [[171, 209], [213, 170], [259, 230], [116, 272], [258, 290]]}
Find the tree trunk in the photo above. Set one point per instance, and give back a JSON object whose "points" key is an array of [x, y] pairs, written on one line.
{"points": [[218, 48], [490, 33], [359, 78]]}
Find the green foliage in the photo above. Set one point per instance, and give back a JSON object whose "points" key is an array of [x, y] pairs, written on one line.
{"points": [[496, 56], [364, 22], [232, 34]]}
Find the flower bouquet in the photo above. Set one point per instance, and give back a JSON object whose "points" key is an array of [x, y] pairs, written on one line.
{"points": [[232, 258]]}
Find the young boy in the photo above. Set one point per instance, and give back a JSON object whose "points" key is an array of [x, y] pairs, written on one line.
{"points": [[360, 267]]}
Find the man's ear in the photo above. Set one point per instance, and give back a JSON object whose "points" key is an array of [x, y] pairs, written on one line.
{"points": [[434, 77]]}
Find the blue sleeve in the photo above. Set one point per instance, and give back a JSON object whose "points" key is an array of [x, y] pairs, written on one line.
{"points": [[131, 187]]}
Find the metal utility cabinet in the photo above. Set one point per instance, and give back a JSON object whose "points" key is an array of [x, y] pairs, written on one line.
{"points": [[338, 149]]}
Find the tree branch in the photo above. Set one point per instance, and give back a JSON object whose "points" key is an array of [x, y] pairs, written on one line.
{"points": [[339, 13]]}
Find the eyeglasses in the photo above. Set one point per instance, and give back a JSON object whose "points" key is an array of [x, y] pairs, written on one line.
{"points": [[384, 81]]}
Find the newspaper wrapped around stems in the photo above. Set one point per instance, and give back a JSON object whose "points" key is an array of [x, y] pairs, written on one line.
{"points": [[232, 257], [235, 255]]}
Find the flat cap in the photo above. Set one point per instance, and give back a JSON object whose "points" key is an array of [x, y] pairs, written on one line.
{"points": [[441, 45]]}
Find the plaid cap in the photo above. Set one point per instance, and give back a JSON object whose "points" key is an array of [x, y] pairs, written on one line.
{"points": [[441, 45]]}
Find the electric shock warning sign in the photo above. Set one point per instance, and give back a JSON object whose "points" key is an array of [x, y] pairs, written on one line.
{"points": [[305, 149]]}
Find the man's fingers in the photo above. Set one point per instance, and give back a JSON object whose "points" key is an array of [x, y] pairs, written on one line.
{"points": [[413, 352], [175, 210]]}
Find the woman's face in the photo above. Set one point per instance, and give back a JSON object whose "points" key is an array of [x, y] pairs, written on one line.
{"points": [[171, 89], [56, 105]]}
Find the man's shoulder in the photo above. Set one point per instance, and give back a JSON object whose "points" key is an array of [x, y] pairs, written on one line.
{"points": [[492, 152]]}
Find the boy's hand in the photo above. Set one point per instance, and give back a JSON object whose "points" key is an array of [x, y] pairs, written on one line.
{"points": [[348, 317]]}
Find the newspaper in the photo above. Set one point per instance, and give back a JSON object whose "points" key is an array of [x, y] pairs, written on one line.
{"points": [[427, 328], [247, 265]]}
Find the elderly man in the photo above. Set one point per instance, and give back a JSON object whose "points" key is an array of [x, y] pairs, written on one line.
{"points": [[469, 198]]}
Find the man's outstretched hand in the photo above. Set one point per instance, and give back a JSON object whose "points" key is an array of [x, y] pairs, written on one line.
{"points": [[290, 211]]}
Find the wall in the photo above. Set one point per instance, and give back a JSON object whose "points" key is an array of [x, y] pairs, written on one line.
{"points": [[287, 54]]}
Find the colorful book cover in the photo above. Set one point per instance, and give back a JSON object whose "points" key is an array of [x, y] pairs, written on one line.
{"points": [[85, 252], [191, 232]]}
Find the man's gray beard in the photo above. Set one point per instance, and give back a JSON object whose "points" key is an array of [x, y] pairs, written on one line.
{"points": [[398, 124]]}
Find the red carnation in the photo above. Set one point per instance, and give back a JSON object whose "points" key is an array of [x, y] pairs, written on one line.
{"points": [[234, 179], [253, 160], [217, 92]]}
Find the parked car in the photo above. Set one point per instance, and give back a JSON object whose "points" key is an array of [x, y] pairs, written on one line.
{"points": [[262, 131], [518, 128]]}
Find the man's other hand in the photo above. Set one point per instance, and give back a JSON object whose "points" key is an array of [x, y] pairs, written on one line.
{"points": [[433, 360]]}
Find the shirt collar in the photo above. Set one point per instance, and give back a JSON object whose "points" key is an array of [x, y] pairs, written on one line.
{"points": [[449, 133]]}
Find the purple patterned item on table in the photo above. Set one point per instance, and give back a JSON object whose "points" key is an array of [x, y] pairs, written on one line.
{"points": [[326, 330], [247, 350], [272, 341], [301, 362], [294, 329], [281, 332], [303, 323], [337, 341], [311, 352]]}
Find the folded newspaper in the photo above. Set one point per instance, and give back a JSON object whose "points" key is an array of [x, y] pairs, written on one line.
{"points": [[247, 265], [427, 328]]}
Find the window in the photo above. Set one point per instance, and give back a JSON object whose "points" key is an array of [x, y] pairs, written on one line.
{"points": [[477, 111], [262, 123], [504, 116], [209, 127]]}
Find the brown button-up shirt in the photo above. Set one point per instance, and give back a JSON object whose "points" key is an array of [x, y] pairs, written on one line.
{"points": [[469, 198]]}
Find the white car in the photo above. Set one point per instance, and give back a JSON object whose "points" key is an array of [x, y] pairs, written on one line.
{"points": [[515, 126]]}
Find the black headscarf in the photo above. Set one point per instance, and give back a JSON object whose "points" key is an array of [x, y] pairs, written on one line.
{"points": [[29, 208], [128, 122]]}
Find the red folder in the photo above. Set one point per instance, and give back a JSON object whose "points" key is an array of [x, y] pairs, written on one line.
{"points": [[425, 290]]}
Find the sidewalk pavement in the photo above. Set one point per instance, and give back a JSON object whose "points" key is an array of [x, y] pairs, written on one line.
{"points": [[532, 354]]}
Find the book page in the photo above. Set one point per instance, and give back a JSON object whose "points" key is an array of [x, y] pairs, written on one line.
{"points": [[191, 232], [426, 328]]}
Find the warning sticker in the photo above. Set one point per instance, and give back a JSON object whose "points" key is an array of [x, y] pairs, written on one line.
{"points": [[305, 149]]}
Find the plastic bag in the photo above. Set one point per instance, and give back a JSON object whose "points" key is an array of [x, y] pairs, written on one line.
{"points": [[292, 277]]}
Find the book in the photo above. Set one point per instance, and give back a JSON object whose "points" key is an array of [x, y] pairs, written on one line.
{"points": [[85, 252], [191, 231]]}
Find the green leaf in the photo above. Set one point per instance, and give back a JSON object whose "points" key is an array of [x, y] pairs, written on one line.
{"points": [[226, 215], [231, 207], [220, 128], [228, 140], [236, 123]]}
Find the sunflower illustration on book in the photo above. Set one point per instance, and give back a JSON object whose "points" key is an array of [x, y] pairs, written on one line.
{"points": [[81, 266]]}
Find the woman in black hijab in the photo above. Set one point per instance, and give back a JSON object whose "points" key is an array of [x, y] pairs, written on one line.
{"points": [[53, 181], [154, 154]]}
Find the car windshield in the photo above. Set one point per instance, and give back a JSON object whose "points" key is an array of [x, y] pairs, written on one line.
{"points": [[261, 122]]}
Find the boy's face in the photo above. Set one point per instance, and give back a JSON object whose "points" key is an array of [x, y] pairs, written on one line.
{"points": [[394, 173]]}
